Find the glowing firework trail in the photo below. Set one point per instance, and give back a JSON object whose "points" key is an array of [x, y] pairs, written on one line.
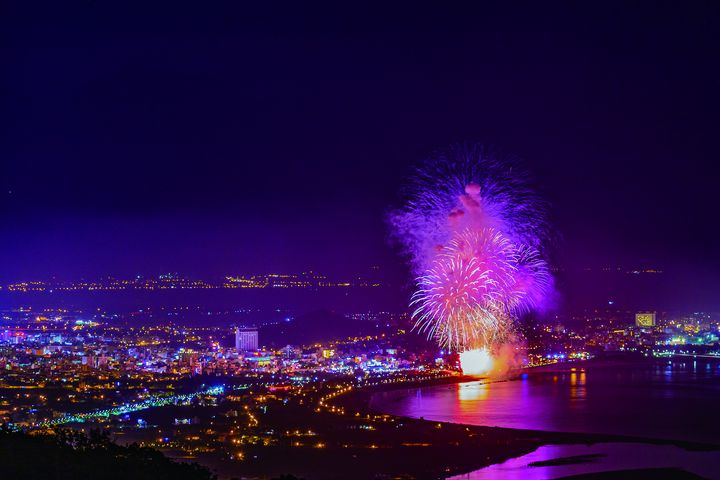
{"points": [[460, 299], [475, 233]]}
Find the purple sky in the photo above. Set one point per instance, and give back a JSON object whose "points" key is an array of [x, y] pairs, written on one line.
{"points": [[209, 141]]}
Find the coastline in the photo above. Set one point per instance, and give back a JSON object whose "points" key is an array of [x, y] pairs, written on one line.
{"points": [[351, 439], [359, 401], [513, 442]]}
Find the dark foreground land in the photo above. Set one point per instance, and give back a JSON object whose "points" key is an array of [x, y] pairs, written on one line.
{"points": [[68, 455], [640, 474]]}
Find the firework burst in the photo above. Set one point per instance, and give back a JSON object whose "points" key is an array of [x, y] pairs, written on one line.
{"points": [[475, 233]]}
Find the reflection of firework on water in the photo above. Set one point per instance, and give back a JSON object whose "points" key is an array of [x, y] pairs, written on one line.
{"points": [[475, 233]]}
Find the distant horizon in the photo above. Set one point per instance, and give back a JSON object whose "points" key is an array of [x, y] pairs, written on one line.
{"points": [[634, 269]]}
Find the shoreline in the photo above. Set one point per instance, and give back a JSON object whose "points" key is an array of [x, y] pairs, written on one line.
{"points": [[359, 400], [353, 440], [517, 442]]}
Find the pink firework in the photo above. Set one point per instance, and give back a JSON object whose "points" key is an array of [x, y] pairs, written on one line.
{"points": [[475, 239], [474, 287]]}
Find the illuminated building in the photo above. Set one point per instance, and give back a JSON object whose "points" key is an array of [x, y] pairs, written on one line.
{"points": [[246, 339], [645, 320]]}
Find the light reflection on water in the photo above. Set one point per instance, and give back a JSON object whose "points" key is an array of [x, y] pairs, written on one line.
{"points": [[577, 385], [477, 392], [676, 401], [600, 457]]}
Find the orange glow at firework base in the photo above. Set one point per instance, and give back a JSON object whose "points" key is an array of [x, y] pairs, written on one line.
{"points": [[476, 362]]}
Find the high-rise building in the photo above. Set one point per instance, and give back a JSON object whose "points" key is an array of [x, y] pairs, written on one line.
{"points": [[645, 320], [246, 339]]}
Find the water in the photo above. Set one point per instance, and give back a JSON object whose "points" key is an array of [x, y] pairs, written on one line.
{"points": [[675, 400], [598, 458]]}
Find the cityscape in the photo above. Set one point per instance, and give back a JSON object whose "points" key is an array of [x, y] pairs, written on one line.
{"points": [[298, 242], [234, 395]]}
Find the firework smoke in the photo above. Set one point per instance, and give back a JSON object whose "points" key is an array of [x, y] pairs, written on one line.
{"points": [[475, 233]]}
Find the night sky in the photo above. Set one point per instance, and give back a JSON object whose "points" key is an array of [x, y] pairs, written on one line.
{"points": [[213, 140]]}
